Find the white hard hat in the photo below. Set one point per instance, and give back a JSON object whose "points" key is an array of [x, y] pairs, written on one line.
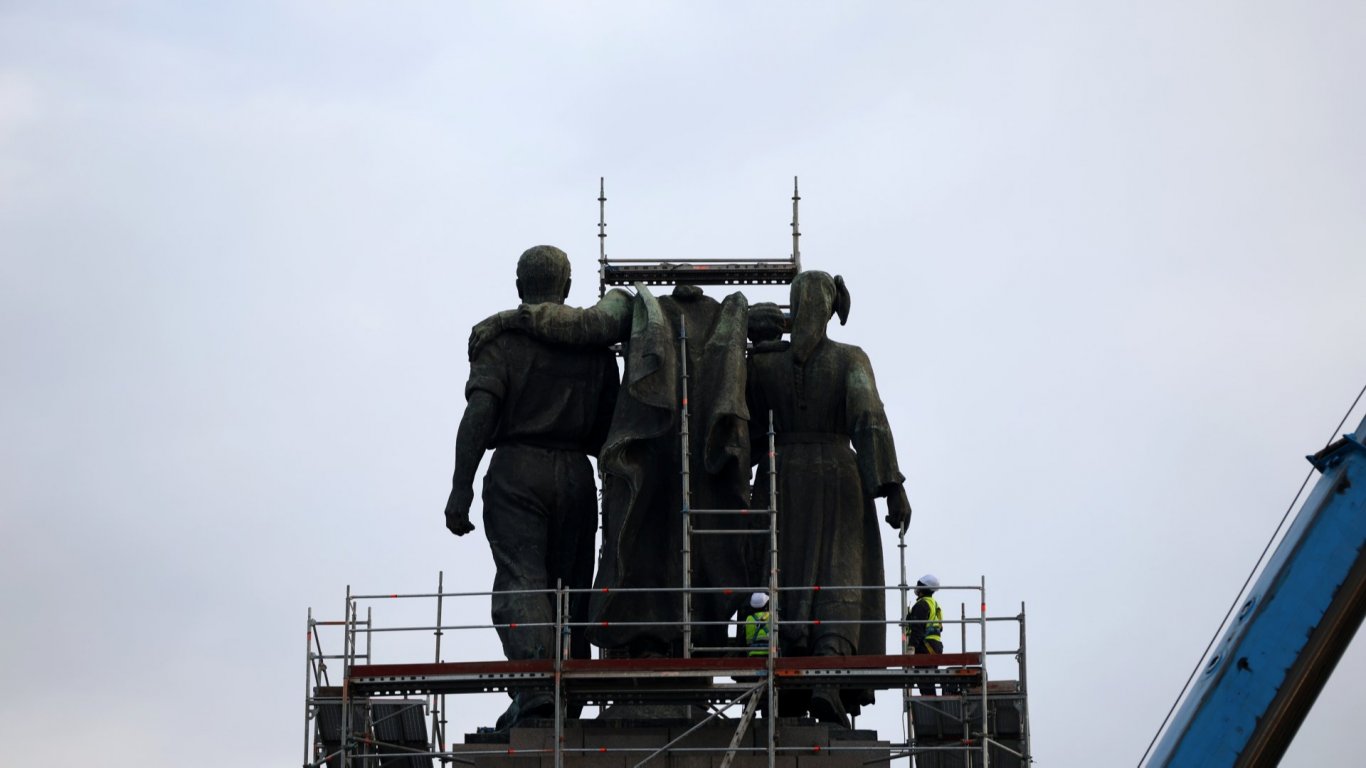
{"points": [[758, 600], [928, 580]]}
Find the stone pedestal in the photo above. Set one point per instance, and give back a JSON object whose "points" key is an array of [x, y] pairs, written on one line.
{"points": [[801, 743]]}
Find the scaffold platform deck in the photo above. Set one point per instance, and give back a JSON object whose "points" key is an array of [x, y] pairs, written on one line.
{"points": [[600, 680]]}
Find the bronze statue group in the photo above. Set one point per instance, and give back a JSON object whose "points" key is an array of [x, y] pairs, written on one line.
{"points": [[544, 395]]}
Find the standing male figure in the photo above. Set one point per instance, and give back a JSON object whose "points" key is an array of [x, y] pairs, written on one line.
{"points": [[642, 498], [543, 409]]}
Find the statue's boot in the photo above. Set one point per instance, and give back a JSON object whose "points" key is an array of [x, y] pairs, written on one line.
{"points": [[538, 704], [826, 707], [826, 704], [526, 705], [508, 717], [649, 648]]}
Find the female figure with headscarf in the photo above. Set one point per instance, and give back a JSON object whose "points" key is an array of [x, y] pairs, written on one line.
{"points": [[835, 455]]}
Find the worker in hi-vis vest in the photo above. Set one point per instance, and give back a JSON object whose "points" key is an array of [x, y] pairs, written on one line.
{"points": [[756, 625], [925, 623]]}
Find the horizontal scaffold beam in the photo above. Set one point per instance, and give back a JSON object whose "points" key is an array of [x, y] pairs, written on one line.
{"points": [[725, 273], [652, 678]]}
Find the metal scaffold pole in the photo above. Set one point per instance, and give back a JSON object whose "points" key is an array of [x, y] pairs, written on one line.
{"points": [[772, 692], [685, 477], [1024, 689], [905, 611], [348, 659], [962, 626], [438, 739], [308, 682], [602, 237], [561, 650], [986, 740]]}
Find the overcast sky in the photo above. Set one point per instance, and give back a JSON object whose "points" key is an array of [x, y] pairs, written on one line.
{"points": [[1107, 260]]}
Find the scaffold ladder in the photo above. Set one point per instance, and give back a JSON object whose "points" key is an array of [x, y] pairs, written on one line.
{"points": [[689, 530]]}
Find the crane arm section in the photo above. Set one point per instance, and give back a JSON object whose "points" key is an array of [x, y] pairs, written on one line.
{"points": [[1294, 625]]}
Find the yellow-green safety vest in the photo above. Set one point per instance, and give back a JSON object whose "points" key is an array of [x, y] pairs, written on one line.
{"points": [[756, 633], [935, 624]]}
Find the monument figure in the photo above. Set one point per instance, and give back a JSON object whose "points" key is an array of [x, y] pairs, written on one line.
{"points": [[835, 455], [543, 409], [641, 457]]}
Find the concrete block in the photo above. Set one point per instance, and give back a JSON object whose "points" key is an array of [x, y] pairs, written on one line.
{"points": [[595, 760], [804, 736], [685, 760], [506, 761]]}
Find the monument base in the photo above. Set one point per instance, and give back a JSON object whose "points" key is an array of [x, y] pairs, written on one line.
{"points": [[620, 743]]}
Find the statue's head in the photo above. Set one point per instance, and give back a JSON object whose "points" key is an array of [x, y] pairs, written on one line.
{"points": [[766, 322], [543, 275], [816, 297]]}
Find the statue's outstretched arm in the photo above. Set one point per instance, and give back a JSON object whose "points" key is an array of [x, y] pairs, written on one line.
{"points": [[603, 324]]}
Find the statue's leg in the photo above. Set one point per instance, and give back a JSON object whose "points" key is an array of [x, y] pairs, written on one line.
{"points": [[827, 702], [515, 520], [574, 521]]}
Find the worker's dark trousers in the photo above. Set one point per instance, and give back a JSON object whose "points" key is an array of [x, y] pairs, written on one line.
{"points": [[929, 646], [540, 514]]}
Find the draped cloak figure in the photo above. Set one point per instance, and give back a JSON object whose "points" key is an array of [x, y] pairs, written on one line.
{"points": [[641, 462], [835, 455]]}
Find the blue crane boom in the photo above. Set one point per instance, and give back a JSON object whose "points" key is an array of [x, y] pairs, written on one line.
{"points": [[1289, 633]]}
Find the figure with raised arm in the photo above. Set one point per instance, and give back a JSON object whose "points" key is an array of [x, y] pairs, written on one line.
{"points": [[641, 459]]}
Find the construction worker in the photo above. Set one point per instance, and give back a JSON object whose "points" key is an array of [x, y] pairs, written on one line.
{"points": [[756, 625], [924, 623]]}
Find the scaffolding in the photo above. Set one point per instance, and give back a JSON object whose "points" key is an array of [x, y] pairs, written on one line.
{"points": [[395, 713], [390, 705]]}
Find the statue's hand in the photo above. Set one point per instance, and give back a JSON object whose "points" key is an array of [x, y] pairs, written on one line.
{"points": [[487, 330], [898, 509], [458, 511]]}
